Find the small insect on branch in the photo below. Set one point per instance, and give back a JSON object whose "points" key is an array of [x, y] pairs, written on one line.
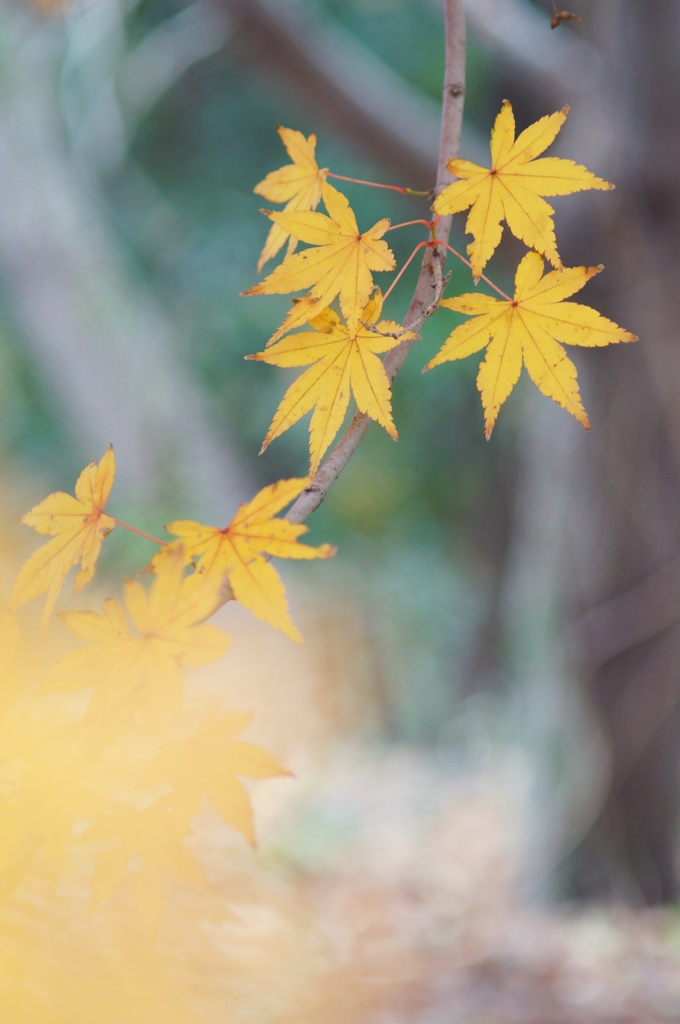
{"points": [[560, 16]]}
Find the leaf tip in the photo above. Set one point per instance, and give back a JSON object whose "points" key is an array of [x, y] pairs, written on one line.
{"points": [[489, 423]]}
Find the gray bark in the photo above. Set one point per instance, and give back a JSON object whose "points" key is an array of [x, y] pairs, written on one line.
{"points": [[616, 527]]}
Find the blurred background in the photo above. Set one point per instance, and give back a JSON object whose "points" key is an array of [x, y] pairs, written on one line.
{"points": [[490, 714]]}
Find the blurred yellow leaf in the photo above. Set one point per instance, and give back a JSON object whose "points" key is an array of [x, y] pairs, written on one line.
{"points": [[10, 681], [78, 525], [339, 264], [145, 667], [209, 763], [46, 776], [145, 840], [528, 329], [298, 184], [511, 189]]}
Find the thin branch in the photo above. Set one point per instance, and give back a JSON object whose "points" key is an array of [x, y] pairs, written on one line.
{"points": [[430, 282]]}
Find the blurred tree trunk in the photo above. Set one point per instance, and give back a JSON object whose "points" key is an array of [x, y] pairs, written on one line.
{"points": [[627, 587], [106, 353], [617, 530]]}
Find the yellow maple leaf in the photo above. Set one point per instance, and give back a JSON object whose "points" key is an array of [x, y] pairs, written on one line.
{"points": [[46, 778], [339, 264], [511, 189], [145, 667], [345, 359], [10, 681], [78, 525], [238, 551], [209, 763], [298, 184], [528, 329], [146, 840]]}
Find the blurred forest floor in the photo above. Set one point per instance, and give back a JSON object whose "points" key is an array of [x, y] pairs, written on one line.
{"points": [[423, 901], [387, 892]]}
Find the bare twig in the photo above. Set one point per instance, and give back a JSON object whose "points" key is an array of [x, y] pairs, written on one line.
{"points": [[430, 283]]}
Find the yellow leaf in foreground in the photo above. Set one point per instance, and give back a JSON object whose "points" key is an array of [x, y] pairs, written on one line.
{"points": [[143, 667], [10, 681], [77, 525], [48, 782], [238, 551], [344, 359], [298, 184], [512, 188], [340, 264], [146, 839], [529, 330], [209, 764]]}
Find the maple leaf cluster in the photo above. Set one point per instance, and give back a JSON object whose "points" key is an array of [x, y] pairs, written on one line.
{"points": [[56, 790], [528, 329]]}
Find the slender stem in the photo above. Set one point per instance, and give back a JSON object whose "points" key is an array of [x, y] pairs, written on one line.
{"points": [[420, 245], [482, 276], [133, 529], [376, 184], [408, 223], [430, 282]]}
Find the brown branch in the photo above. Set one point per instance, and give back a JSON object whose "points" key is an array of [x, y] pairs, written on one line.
{"points": [[430, 281]]}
